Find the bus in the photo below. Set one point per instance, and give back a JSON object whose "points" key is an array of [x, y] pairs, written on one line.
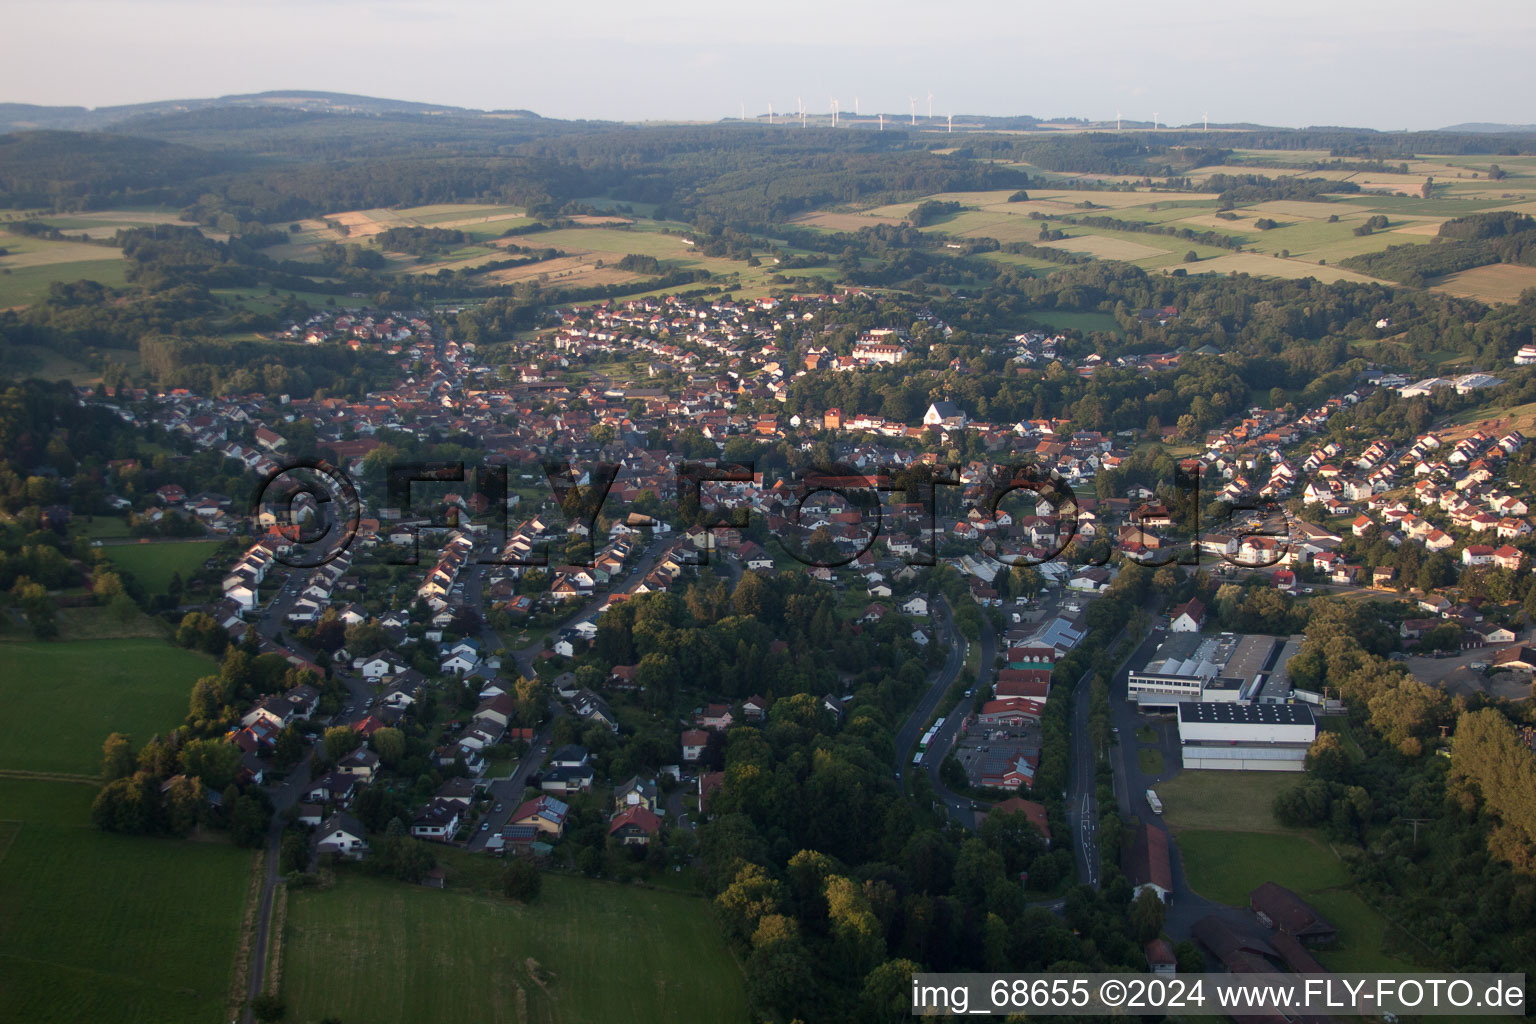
{"points": [[917, 759], [922, 744]]}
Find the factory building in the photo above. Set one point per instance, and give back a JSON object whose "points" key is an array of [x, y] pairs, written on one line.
{"points": [[1224, 668], [1239, 736]]}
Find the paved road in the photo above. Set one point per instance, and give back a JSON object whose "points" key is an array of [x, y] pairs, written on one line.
{"points": [[283, 797], [954, 659], [677, 812], [1081, 800], [961, 808], [508, 791]]}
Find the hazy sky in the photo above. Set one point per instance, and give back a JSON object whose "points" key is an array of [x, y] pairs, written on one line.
{"points": [[1373, 63]]}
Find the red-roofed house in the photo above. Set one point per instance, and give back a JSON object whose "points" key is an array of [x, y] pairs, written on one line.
{"points": [[1188, 617], [1035, 812], [694, 742], [634, 826]]}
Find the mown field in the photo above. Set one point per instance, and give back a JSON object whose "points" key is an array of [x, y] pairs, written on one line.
{"points": [[152, 564], [1239, 801], [586, 951], [60, 700], [98, 927]]}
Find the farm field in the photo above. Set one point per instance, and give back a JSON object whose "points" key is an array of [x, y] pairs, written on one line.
{"points": [[1107, 248], [1501, 282], [84, 690], [32, 264], [1272, 266], [1227, 866], [153, 563], [584, 952], [1303, 230], [105, 223], [24, 285], [96, 926]]}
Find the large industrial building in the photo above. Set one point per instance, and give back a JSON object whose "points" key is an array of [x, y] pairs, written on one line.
{"points": [[1234, 736], [1225, 668], [1236, 705]]}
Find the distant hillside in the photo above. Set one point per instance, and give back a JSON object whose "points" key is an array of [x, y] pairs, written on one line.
{"points": [[1485, 128], [15, 116]]}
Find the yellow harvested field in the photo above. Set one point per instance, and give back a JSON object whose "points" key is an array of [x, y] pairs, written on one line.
{"points": [[1107, 248], [1300, 208], [1244, 221], [567, 270], [1117, 200], [1409, 183], [365, 223], [1523, 207], [1273, 266], [1427, 228], [844, 221], [1502, 282]]}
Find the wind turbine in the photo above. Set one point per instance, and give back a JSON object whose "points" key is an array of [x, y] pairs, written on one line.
{"points": [[1154, 120], [855, 106], [951, 124], [930, 104], [1207, 120], [834, 113], [882, 122], [913, 100], [770, 113], [743, 110], [1117, 119]]}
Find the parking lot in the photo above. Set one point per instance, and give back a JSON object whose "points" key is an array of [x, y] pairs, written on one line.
{"points": [[1002, 742]]}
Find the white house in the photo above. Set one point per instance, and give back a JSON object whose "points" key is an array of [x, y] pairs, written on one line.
{"points": [[1188, 617], [440, 820], [342, 834], [916, 605], [380, 665]]}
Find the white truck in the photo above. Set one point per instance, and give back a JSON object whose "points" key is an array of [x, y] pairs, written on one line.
{"points": [[1153, 802]]}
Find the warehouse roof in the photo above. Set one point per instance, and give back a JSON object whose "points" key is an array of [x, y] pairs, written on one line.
{"points": [[1230, 713]]}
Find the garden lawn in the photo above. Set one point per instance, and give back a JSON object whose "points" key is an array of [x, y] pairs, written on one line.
{"points": [[99, 927], [62, 699], [585, 951]]}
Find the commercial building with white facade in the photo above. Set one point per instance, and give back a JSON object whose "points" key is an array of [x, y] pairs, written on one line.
{"points": [[1238, 736]]}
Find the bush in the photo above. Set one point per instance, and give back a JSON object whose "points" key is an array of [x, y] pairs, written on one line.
{"points": [[269, 1006], [521, 881]]}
